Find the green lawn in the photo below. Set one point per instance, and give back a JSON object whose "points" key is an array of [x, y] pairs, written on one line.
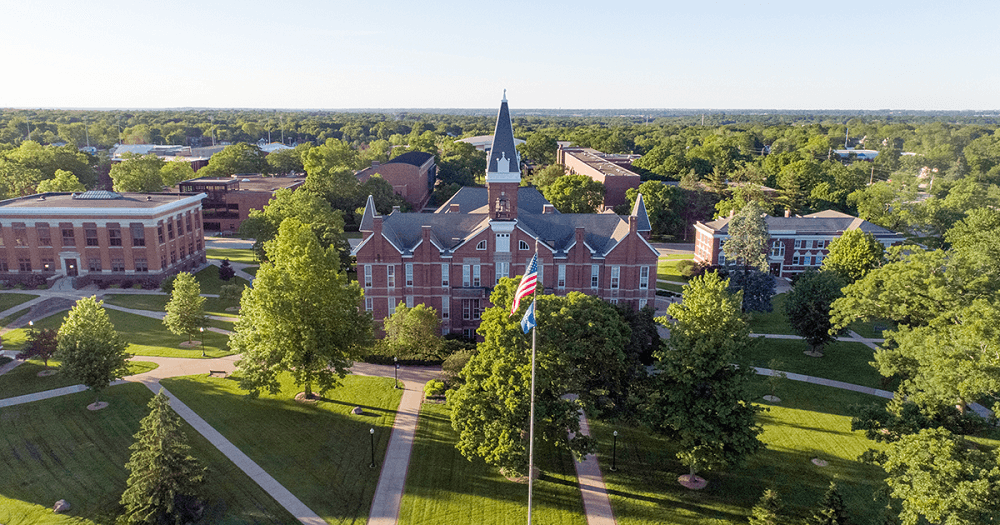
{"points": [[841, 361], [14, 316], [775, 322], [671, 287], [319, 452], [210, 282], [158, 303], [235, 255], [810, 422], [666, 268], [57, 449], [252, 270], [24, 379], [444, 487], [10, 300]]}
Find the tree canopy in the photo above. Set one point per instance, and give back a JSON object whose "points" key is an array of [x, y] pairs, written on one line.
{"points": [[307, 208], [302, 316], [413, 332], [575, 194], [748, 238], [64, 181], [89, 347], [185, 312], [853, 255], [237, 158], [807, 307], [138, 173]]}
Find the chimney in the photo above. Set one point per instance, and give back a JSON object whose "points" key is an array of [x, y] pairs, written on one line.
{"points": [[395, 209], [548, 208], [377, 225], [633, 224], [731, 213], [581, 234], [425, 233], [375, 163], [453, 208], [788, 212]]}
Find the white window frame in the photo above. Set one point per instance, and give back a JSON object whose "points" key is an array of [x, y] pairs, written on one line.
{"points": [[503, 243], [466, 275], [445, 309], [595, 276], [616, 275], [722, 257], [409, 274], [777, 248], [521, 245], [476, 275], [369, 306], [561, 277], [409, 301], [368, 276], [392, 305], [644, 277], [481, 245], [444, 275], [502, 270], [390, 276]]}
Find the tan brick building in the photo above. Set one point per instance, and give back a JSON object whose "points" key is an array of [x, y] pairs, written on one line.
{"points": [[100, 236], [451, 259]]}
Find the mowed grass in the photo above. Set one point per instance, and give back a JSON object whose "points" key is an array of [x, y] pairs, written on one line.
{"points": [[57, 449], [319, 452], [444, 487], [10, 300], [841, 361], [775, 322], [235, 255], [666, 268], [211, 284], [809, 423], [24, 378], [158, 303]]}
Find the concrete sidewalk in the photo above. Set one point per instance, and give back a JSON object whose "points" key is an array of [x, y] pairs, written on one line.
{"points": [[596, 503]]}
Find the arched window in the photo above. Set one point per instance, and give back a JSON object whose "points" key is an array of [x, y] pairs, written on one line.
{"points": [[481, 245], [521, 245]]}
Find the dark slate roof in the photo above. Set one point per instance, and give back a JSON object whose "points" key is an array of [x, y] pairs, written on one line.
{"points": [[828, 221], [558, 231], [639, 210], [414, 158], [405, 230], [469, 199], [503, 142], [369, 216]]}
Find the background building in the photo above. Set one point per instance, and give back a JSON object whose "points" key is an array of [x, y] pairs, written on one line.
{"points": [[611, 170], [797, 242], [228, 200], [411, 175], [100, 236]]}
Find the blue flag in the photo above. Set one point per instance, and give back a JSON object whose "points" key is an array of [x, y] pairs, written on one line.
{"points": [[528, 321]]}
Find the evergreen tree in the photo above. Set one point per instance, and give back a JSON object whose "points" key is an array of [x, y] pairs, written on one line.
{"points": [[226, 271], [90, 349], [765, 512], [164, 478], [747, 243], [832, 510], [186, 309]]}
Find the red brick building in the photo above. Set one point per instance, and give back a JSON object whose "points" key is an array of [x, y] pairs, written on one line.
{"points": [[411, 175], [452, 258], [797, 242], [610, 170], [100, 236], [228, 200]]}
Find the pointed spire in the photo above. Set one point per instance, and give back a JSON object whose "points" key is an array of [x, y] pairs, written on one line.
{"points": [[503, 162], [368, 218], [639, 212]]}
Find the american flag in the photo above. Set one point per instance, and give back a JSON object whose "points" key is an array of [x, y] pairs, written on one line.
{"points": [[528, 283]]}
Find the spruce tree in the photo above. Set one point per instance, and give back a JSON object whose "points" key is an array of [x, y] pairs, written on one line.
{"points": [[832, 510], [226, 271], [765, 512], [164, 478]]}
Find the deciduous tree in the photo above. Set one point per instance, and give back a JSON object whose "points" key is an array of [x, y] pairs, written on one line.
{"points": [[414, 332], [237, 158], [90, 349], [138, 173], [575, 194], [186, 308], [302, 316], [807, 307], [306, 207], [164, 478], [853, 255], [63, 181], [42, 344]]}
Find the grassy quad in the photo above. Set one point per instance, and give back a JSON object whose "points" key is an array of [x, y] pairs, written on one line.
{"points": [[810, 422], [10, 300], [319, 452], [158, 303], [24, 378], [210, 283], [444, 487], [235, 255], [56, 449]]}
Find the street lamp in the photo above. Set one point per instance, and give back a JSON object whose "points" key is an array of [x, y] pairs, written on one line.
{"points": [[202, 330], [614, 453], [372, 432], [395, 371]]}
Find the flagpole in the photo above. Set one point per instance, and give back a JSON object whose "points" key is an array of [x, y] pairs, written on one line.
{"points": [[531, 420]]}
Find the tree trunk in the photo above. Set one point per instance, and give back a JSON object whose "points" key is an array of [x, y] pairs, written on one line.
{"points": [[308, 390]]}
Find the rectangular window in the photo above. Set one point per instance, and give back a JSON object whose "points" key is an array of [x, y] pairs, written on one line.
{"points": [[368, 276], [795, 259], [595, 276], [503, 242], [94, 265], [470, 309], [163, 261], [390, 276], [503, 270], [187, 219], [159, 232], [91, 234], [469, 333], [368, 304], [644, 277], [798, 243], [20, 234], [475, 275], [173, 257], [115, 236], [466, 275], [117, 265], [48, 265], [409, 274], [67, 237], [183, 251], [819, 259], [392, 305], [138, 234], [3, 266], [777, 249], [170, 229], [409, 301], [24, 265], [444, 275], [44, 234], [561, 279], [141, 265], [616, 272], [722, 257], [445, 307], [807, 261]]}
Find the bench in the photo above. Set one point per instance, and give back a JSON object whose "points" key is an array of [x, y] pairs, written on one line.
{"points": [[214, 372]]}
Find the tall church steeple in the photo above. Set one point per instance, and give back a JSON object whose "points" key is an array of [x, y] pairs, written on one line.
{"points": [[503, 171]]}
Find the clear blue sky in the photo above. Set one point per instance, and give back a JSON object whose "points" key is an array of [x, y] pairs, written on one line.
{"points": [[460, 54]]}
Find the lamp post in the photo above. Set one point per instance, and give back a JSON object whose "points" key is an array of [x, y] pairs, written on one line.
{"points": [[202, 330], [395, 371], [614, 453], [372, 432]]}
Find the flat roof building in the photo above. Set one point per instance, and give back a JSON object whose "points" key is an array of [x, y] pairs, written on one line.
{"points": [[228, 200], [611, 170]]}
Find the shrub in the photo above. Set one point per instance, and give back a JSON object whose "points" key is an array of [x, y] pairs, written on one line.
{"points": [[688, 268], [226, 272], [114, 286], [454, 364], [434, 388], [43, 286], [231, 292], [137, 286], [127, 283], [167, 284]]}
